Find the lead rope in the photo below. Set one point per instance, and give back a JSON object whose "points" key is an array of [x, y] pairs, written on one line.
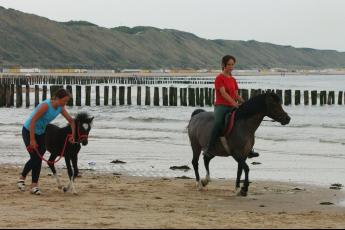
{"points": [[51, 162]]}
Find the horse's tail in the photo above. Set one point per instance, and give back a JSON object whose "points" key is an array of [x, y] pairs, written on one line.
{"points": [[197, 111]]}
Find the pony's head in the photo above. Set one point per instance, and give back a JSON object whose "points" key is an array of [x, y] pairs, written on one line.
{"points": [[267, 104], [274, 109], [83, 126]]}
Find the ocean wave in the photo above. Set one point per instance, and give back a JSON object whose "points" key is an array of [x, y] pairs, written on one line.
{"points": [[129, 138], [151, 119], [301, 125], [11, 124], [333, 126], [327, 126], [273, 139], [277, 124], [164, 130], [332, 141]]}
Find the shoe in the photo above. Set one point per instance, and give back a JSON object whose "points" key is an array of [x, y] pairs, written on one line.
{"points": [[36, 191], [21, 185], [253, 154]]}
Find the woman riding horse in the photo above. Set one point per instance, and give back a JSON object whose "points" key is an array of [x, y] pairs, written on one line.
{"points": [[34, 131], [227, 99]]}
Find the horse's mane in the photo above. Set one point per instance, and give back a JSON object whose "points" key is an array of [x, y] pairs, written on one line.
{"points": [[82, 117], [254, 106]]}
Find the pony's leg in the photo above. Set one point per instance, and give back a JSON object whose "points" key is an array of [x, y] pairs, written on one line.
{"points": [[195, 162], [52, 167], [71, 186], [70, 174], [244, 189], [239, 175], [207, 179], [74, 159]]}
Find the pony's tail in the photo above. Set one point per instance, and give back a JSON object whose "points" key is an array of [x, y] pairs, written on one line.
{"points": [[197, 111]]}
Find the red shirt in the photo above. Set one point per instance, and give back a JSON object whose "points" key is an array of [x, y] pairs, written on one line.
{"points": [[230, 85]]}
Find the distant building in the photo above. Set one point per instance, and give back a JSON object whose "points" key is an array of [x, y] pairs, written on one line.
{"points": [[279, 70], [32, 70], [80, 71], [202, 71], [131, 71], [157, 71]]}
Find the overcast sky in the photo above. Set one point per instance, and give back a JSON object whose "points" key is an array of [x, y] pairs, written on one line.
{"points": [[301, 23]]}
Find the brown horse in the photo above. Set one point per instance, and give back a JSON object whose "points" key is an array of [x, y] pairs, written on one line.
{"points": [[239, 142]]}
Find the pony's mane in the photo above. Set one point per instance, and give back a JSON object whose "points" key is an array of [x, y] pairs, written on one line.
{"points": [[254, 106], [82, 117]]}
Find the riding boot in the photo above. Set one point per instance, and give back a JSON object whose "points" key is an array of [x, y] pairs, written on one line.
{"points": [[252, 154]]}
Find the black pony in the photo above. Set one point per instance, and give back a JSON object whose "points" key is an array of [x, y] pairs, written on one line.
{"points": [[57, 143]]}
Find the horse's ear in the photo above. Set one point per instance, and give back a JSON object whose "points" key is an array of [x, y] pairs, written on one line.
{"points": [[91, 119]]}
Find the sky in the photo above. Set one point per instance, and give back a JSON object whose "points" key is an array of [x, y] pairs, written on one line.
{"points": [[315, 24]]}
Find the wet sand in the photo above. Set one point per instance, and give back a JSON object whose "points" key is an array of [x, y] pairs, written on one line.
{"points": [[117, 201]]}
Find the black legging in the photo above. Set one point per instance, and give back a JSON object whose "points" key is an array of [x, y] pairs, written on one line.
{"points": [[35, 162]]}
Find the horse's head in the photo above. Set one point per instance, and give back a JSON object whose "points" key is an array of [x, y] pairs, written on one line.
{"points": [[275, 110], [83, 126]]}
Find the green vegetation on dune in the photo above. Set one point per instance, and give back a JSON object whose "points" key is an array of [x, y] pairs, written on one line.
{"points": [[28, 40]]}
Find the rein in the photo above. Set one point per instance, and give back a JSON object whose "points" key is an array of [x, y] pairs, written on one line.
{"points": [[81, 137], [51, 162], [62, 154]]}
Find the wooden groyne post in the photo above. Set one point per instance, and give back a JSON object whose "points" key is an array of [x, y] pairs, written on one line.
{"points": [[113, 95]]}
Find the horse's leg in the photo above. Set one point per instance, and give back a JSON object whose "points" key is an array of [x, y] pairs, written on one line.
{"points": [[74, 159], [244, 190], [70, 175], [196, 155], [239, 175], [52, 158], [207, 179]]}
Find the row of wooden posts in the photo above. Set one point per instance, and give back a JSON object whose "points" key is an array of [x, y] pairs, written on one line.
{"points": [[188, 96], [90, 80]]}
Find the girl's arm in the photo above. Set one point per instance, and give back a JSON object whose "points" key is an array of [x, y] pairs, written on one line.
{"points": [[239, 98], [42, 110], [70, 121], [227, 97]]}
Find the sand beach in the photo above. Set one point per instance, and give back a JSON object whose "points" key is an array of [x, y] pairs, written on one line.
{"points": [[106, 200]]}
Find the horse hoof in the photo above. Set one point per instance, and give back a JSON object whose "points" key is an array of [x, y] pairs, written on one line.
{"points": [[243, 193], [204, 183], [65, 189], [199, 186]]}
